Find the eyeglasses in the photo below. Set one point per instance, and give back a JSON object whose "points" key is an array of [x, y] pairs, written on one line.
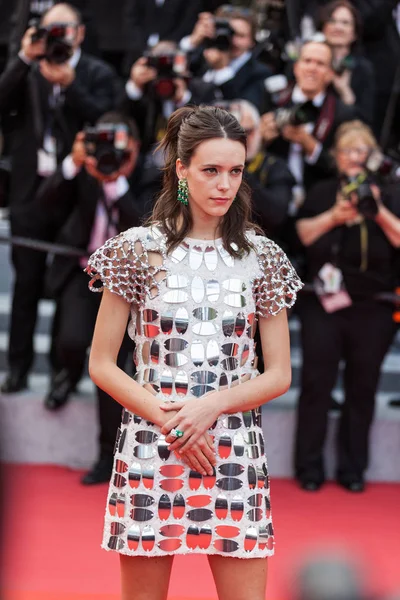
{"points": [[360, 151], [343, 22]]}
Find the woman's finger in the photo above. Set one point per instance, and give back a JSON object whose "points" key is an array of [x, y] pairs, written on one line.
{"points": [[167, 406], [205, 464]]}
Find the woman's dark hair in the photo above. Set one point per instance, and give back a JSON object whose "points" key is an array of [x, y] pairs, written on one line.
{"points": [[326, 12], [187, 128]]}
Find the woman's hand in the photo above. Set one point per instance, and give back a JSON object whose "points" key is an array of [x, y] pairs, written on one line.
{"points": [[201, 456], [343, 87], [194, 418], [343, 210]]}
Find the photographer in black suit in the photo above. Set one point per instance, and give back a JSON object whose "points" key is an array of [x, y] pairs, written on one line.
{"points": [[221, 49], [93, 187], [53, 89], [303, 136], [159, 84]]}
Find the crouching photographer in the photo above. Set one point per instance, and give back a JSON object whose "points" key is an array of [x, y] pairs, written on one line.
{"points": [[93, 189], [350, 227]]}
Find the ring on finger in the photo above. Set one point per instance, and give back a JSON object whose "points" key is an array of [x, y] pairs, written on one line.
{"points": [[176, 433]]}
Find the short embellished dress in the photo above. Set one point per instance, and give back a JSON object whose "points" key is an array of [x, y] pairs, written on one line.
{"points": [[193, 318]]}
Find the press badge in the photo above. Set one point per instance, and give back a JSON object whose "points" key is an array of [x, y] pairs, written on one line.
{"points": [[47, 157], [330, 289]]}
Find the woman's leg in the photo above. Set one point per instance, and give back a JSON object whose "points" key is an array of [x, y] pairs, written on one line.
{"points": [[239, 579], [145, 578]]}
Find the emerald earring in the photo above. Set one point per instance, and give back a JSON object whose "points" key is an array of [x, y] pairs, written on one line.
{"points": [[183, 192]]}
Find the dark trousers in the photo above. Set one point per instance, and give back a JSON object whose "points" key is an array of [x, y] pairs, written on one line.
{"points": [[360, 335], [29, 274], [75, 320]]}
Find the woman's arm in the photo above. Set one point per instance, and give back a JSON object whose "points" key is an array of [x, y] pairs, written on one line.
{"points": [[110, 328], [195, 417], [390, 225], [312, 228]]}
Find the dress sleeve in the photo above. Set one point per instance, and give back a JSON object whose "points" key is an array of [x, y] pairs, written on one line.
{"points": [[278, 284], [119, 267]]}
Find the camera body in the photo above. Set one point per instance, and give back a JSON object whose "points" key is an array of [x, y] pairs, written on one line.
{"points": [[58, 40], [108, 143], [296, 115], [346, 63], [169, 66], [222, 39]]}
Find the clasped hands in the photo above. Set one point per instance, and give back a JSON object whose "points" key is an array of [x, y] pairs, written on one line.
{"points": [[193, 418]]}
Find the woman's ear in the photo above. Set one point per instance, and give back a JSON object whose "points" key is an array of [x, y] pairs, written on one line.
{"points": [[181, 170]]}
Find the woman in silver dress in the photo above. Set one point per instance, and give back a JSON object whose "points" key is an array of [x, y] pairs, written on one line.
{"points": [[190, 473]]}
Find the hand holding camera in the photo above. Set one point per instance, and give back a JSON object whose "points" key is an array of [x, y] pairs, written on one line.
{"points": [[32, 50], [344, 211], [204, 28], [142, 73]]}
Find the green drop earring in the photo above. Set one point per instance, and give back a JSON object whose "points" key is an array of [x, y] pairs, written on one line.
{"points": [[183, 192]]}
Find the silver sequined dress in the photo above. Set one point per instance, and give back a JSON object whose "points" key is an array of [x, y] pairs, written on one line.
{"points": [[193, 320]]}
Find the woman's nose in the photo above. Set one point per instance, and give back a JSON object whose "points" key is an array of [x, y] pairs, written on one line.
{"points": [[223, 183]]}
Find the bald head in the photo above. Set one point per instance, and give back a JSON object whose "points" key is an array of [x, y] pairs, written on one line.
{"points": [[62, 13]]}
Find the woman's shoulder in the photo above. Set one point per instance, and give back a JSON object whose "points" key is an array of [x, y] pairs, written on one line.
{"points": [[263, 244], [148, 237]]}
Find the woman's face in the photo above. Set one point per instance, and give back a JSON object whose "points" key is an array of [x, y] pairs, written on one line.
{"points": [[351, 156], [214, 176], [340, 29]]}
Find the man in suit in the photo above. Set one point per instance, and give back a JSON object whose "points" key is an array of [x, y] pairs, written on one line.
{"points": [[234, 69], [100, 203], [150, 98], [149, 21], [306, 146], [51, 103]]}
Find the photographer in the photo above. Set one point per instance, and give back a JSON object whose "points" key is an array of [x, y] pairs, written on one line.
{"points": [[354, 79], [300, 119], [221, 50], [53, 89], [93, 185], [350, 228], [159, 83]]}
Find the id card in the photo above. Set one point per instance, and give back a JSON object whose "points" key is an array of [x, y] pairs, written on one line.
{"points": [[330, 289], [47, 157]]}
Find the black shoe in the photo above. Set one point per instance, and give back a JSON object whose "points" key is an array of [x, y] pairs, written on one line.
{"points": [[100, 472], [395, 403], [60, 391], [352, 484], [14, 382], [310, 485]]}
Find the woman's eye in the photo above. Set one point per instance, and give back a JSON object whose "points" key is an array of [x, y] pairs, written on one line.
{"points": [[210, 170], [237, 171]]}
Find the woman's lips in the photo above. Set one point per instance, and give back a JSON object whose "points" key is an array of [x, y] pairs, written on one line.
{"points": [[221, 200]]}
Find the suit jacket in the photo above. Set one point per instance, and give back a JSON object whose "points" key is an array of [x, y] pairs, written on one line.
{"points": [[248, 83], [324, 166], [74, 202], [24, 90], [171, 21], [147, 111]]}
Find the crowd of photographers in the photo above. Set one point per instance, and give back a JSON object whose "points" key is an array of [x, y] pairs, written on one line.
{"points": [[83, 106]]}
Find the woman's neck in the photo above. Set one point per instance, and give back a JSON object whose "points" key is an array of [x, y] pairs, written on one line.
{"points": [[205, 228], [340, 52]]}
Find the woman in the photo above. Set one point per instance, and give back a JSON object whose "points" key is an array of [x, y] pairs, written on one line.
{"points": [[354, 80], [350, 241], [190, 473]]}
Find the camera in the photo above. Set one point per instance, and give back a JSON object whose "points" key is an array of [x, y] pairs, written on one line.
{"points": [[346, 63], [222, 39], [361, 186], [108, 143], [59, 38], [169, 66], [296, 115]]}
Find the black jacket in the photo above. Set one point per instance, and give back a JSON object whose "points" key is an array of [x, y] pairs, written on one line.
{"points": [[271, 185], [171, 21], [24, 91], [362, 82], [324, 166], [248, 83], [75, 202]]}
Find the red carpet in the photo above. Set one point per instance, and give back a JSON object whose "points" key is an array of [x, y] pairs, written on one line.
{"points": [[52, 529]]}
